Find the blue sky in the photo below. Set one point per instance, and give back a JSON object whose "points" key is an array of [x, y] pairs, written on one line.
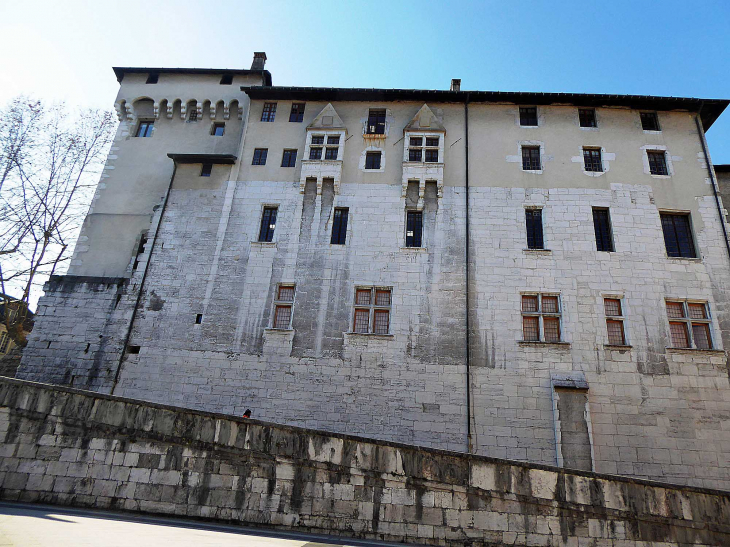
{"points": [[64, 50]]}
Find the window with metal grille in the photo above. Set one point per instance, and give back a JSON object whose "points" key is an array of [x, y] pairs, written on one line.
{"points": [[226, 79], [657, 162], [372, 160], [587, 117], [283, 307], [297, 112], [144, 128], [531, 158], [206, 170], [376, 122], [268, 224], [414, 228], [528, 115], [259, 156], [614, 321], [372, 310], [152, 78], [592, 160], [541, 318], [649, 121], [339, 226], [678, 235], [533, 222], [432, 156], [333, 139], [330, 153], [289, 158], [4, 342], [689, 324], [602, 228], [268, 114], [415, 154], [218, 129], [193, 116]]}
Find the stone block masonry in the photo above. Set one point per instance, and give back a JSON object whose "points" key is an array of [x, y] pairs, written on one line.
{"points": [[66, 446]]}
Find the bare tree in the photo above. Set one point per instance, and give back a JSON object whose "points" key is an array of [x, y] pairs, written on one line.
{"points": [[50, 160]]}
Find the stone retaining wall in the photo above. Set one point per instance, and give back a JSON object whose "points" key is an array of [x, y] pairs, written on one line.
{"points": [[71, 447]]}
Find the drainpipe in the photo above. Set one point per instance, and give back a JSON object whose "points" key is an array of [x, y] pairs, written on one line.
{"points": [[141, 283], [711, 171], [469, 442]]}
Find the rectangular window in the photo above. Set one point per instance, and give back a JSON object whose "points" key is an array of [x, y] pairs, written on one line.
{"points": [[531, 158], [317, 139], [226, 79], [533, 221], [315, 152], [432, 156], [432, 141], [602, 228], [689, 324], [330, 153], [415, 154], [218, 129], [144, 129], [587, 117], [259, 156], [614, 321], [376, 122], [657, 162], [289, 158], [414, 228], [592, 160], [268, 224], [528, 115], [333, 139], [372, 310], [372, 160], [339, 226], [649, 121], [678, 235], [193, 116], [541, 310], [416, 141], [4, 341], [206, 170], [269, 112], [297, 112], [283, 307], [152, 78]]}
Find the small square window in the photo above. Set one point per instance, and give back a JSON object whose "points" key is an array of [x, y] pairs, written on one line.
{"points": [[315, 153], [206, 170], [416, 141], [657, 162], [268, 114], [145, 127], [259, 156], [362, 297], [549, 304], [297, 112], [317, 139], [227, 79], [531, 158], [330, 154], [432, 156], [193, 116], [592, 160], [415, 154], [289, 158], [432, 141], [649, 121], [528, 116], [333, 139], [529, 303], [219, 128], [152, 78], [372, 160], [587, 117]]}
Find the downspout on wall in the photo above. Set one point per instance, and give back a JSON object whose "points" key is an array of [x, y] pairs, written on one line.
{"points": [[469, 441]]}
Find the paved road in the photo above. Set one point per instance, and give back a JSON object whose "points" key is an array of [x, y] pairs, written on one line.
{"points": [[27, 525]]}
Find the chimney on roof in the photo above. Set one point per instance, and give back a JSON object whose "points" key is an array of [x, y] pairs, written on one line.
{"points": [[259, 60], [456, 84]]}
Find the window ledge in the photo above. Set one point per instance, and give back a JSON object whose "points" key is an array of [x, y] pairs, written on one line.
{"points": [[533, 171], [270, 330], [652, 131], [538, 251], [618, 347], [696, 351], [684, 259], [660, 176], [264, 243], [415, 249], [372, 335], [544, 344]]}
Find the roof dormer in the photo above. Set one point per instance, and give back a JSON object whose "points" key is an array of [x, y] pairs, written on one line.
{"points": [[324, 149], [423, 152]]}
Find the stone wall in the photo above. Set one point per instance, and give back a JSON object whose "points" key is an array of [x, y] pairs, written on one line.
{"points": [[70, 447]]}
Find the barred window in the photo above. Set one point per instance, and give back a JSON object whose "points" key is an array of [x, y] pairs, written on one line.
{"points": [[678, 235], [289, 158], [592, 160], [372, 310], [415, 154], [193, 116], [649, 121], [657, 162], [4, 341], [528, 115], [531, 158], [259, 156], [297, 112], [317, 139], [268, 224], [269, 112], [315, 152], [541, 318], [372, 160], [330, 153], [587, 117], [602, 228], [614, 321], [414, 228], [533, 222], [689, 324], [283, 306], [333, 139]]}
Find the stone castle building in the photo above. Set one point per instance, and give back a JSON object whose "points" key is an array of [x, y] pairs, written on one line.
{"points": [[535, 276]]}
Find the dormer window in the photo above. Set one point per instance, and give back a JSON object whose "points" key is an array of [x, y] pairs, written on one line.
{"points": [[376, 122], [315, 150], [429, 153]]}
